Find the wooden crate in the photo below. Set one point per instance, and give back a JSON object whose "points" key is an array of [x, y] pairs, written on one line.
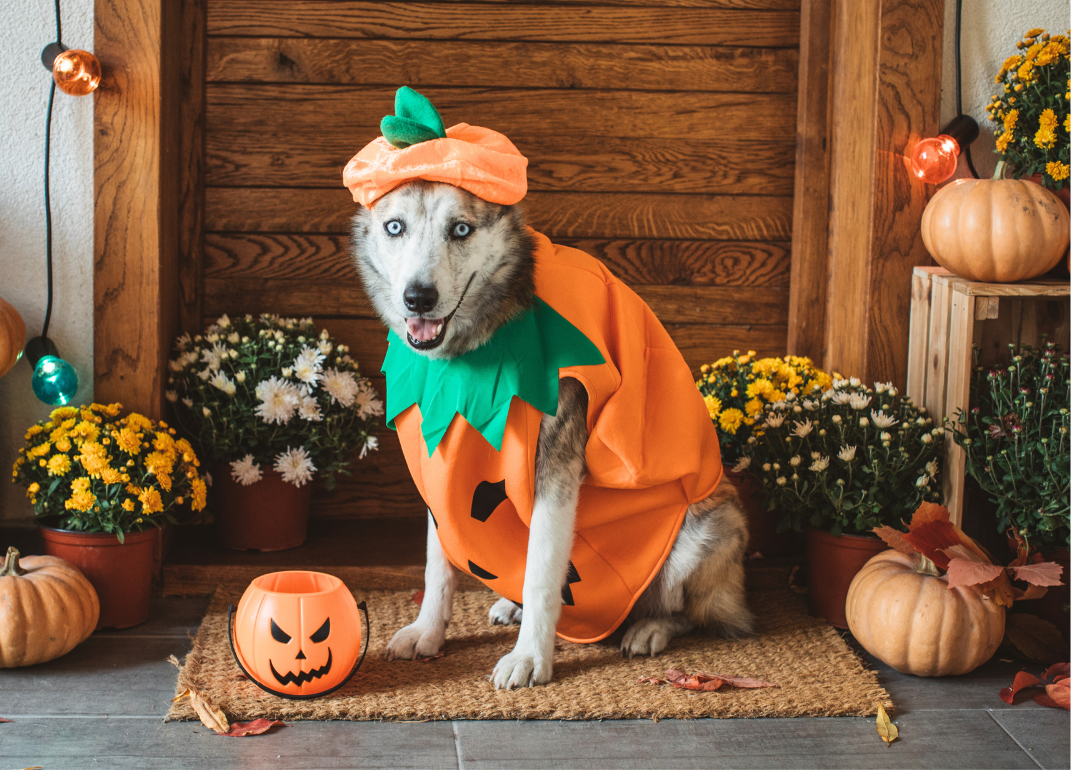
{"points": [[949, 315]]}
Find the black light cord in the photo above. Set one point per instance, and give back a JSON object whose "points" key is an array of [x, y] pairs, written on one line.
{"points": [[48, 203], [959, 106]]}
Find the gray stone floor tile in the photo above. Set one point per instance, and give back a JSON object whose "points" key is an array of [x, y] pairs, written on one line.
{"points": [[169, 616], [1044, 733], [119, 744], [103, 675], [963, 739]]}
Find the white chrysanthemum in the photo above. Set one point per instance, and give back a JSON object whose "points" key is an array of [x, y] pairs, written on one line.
{"points": [[923, 481], [926, 438], [882, 420], [846, 453], [815, 455], [295, 466], [859, 401], [246, 472], [366, 404], [803, 429], [326, 348], [188, 402], [183, 341], [204, 375], [795, 461], [780, 481], [808, 405], [278, 398], [371, 445], [819, 465], [341, 386], [886, 436], [223, 383], [171, 396], [855, 382], [774, 420], [233, 338], [932, 468], [224, 322], [308, 366], [841, 397], [309, 409], [213, 356], [742, 464]]}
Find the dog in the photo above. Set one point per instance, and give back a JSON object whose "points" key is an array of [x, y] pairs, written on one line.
{"points": [[444, 270]]}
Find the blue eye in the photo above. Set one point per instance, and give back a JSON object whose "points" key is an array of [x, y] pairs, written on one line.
{"points": [[462, 230], [395, 227]]}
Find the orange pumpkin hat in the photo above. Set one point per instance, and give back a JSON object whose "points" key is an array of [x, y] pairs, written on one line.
{"points": [[414, 145]]}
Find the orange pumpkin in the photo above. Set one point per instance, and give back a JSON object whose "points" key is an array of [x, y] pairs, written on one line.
{"points": [[995, 230], [47, 607], [905, 614], [12, 336], [297, 634]]}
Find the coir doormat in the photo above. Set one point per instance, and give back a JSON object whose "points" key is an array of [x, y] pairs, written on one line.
{"points": [[816, 672]]}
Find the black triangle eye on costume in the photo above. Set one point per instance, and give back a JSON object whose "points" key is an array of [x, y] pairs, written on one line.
{"points": [[322, 633], [278, 634]]}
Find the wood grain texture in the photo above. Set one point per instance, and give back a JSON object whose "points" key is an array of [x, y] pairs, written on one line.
{"points": [[957, 396], [918, 336], [480, 21], [301, 296], [192, 162], [500, 64], [557, 215], [281, 256], [135, 270], [810, 221]]}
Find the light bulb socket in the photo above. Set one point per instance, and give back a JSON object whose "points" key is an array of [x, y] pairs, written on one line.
{"points": [[964, 129], [50, 52], [37, 348]]}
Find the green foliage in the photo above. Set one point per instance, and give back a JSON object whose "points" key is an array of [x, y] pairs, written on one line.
{"points": [[847, 459], [1016, 439]]}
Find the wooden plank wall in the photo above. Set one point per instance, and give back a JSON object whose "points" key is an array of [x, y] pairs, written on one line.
{"points": [[660, 137]]}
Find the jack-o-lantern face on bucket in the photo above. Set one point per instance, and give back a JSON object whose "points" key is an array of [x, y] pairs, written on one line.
{"points": [[297, 634]]}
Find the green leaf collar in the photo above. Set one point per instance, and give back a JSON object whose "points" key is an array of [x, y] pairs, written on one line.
{"points": [[521, 359], [416, 120]]}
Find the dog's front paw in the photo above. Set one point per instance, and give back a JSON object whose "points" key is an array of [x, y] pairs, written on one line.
{"points": [[415, 641], [521, 669], [646, 637], [504, 613]]}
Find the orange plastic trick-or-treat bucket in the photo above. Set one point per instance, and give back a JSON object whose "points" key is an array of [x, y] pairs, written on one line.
{"points": [[297, 634]]}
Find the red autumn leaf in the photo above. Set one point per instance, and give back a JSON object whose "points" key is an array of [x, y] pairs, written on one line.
{"points": [[1032, 592], [4, 720], [1022, 681], [741, 682], [1035, 638], [436, 656], [967, 571], [651, 680], [705, 681], [932, 538], [1056, 672], [1059, 694], [256, 727], [1045, 573], [418, 597], [928, 512], [894, 538]]}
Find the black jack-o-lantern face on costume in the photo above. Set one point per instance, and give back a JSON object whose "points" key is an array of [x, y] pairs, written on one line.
{"points": [[297, 634]]}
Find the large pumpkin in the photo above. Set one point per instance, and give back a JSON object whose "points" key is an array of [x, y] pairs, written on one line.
{"points": [[46, 608], [12, 336], [908, 617], [995, 230]]}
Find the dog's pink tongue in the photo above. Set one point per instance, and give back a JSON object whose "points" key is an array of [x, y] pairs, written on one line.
{"points": [[424, 329]]}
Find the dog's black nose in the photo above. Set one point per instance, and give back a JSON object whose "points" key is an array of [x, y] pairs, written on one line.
{"points": [[420, 298]]}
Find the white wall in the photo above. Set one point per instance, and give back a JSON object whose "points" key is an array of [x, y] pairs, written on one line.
{"points": [[28, 25], [988, 35]]}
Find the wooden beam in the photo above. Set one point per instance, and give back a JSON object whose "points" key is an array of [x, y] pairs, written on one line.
{"points": [[885, 98], [192, 163], [810, 222], [135, 193]]}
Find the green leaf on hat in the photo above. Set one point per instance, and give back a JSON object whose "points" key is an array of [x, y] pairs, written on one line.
{"points": [[416, 120]]}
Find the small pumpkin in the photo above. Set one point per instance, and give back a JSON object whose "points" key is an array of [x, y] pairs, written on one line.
{"points": [[12, 336], [996, 230], [903, 612], [47, 607]]}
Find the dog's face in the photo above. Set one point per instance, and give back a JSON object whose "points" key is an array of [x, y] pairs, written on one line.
{"points": [[441, 266]]}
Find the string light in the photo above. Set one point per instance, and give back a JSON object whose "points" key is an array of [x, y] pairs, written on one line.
{"points": [[76, 72], [933, 160]]}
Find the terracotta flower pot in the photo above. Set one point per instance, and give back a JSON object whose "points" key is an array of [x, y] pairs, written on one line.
{"points": [[761, 524], [120, 572], [833, 563], [269, 515]]}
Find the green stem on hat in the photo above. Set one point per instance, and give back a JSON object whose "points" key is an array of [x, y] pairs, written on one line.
{"points": [[416, 120]]}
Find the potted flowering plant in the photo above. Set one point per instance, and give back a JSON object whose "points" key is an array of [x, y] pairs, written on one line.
{"points": [[843, 461], [736, 389], [274, 402], [101, 485]]}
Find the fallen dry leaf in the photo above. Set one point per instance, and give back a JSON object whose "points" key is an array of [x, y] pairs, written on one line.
{"points": [[1035, 638], [436, 656], [894, 538], [705, 681], [1045, 573], [886, 729], [4, 720], [1021, 682], [1056, 672], [209, 714], [418, 597], [256, 727], [1057, 695]]}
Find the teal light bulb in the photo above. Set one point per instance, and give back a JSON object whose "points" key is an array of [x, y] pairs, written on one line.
{"points": [[55, 381]]}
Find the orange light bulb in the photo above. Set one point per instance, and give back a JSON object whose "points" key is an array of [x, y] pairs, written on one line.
{"points": [[76, 72], [934, 160]]}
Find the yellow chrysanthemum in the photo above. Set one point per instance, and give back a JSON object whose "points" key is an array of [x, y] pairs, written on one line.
{"points": [[94, 458], [1068, 124], [1058, 170], [85, 431], [1011, 118], [128, 440], [1003, 140], [759, 387], [753, 406], [730, 420], [33, 430], [158, 463], [712, 403], [40, 450], [81, 497], [1049, 54], [111, 476], [1026, 73], [198, 494], [774, 396], [1009, 63], [734, 393], [62, 413], [151, 500], [128, 504], [34, 488], [111, 410], [138, 422], [1045, 136], [165, 444], [59, 465]]}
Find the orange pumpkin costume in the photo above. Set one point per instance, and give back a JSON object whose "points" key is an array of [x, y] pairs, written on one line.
{"points": [[652, 451]]}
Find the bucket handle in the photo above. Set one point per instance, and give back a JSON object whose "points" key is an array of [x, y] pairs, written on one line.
{"points": [[367, 641]]}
